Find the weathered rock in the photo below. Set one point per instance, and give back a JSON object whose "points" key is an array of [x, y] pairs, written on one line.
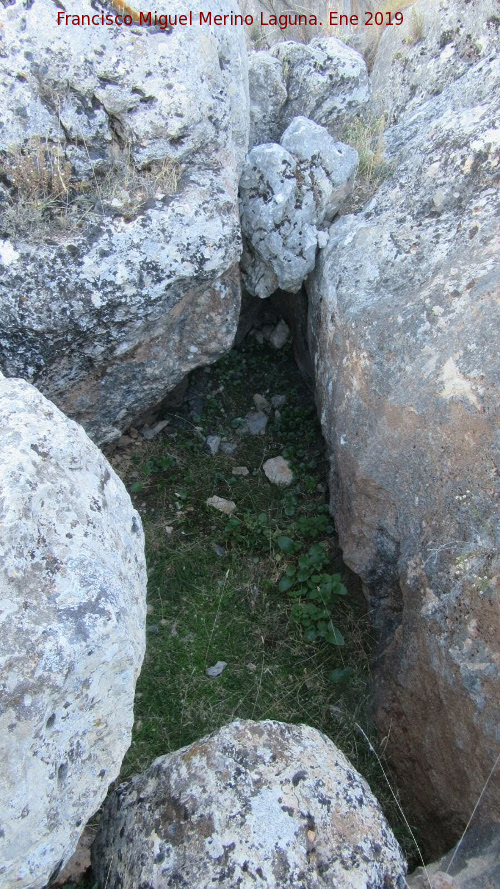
{"points": [[288, 193], [213, 443], [280, 334], [72, 617], [473, 864], [241, 471], [436, 44], [254, 802], [108, 314], [221, 504], [327, 82], [267, 89], [216, 670], [261, 403], [278, 471], [254, 423], [403, 328]]}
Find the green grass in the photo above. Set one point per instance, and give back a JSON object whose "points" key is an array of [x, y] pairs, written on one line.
{"points": [[205, 607]]}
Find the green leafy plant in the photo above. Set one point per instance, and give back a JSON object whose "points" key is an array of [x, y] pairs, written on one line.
{"points": [[153, 466], [313, 590]]}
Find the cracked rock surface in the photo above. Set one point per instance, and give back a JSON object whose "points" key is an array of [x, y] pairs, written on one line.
{"points": [[324, 80], [255, 803], [72, 632], [107, 315], [404, 334], [289, 193]]}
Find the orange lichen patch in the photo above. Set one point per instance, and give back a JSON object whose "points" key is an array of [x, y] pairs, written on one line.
{"points": [[123, 8]]}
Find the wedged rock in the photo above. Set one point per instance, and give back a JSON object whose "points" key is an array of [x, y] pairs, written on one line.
{"points": [[436, 44], [404, 329], [288, 194], [327, 82], [267, 90], [72, 631], [253, 803], [108, 308]]}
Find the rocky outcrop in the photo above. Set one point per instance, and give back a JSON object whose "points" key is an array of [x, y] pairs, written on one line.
{"points": [[72, 630], [253, 803], [436, 44], [120, 153], [324, 80], [404, 330], [289, 193]]}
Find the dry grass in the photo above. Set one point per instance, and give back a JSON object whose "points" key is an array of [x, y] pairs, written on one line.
{"points": [[366, 136], [42, 197]]}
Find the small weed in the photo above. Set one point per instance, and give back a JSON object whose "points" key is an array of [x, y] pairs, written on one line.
{"points": [[366, 136], [313, 590], [416, 34]]}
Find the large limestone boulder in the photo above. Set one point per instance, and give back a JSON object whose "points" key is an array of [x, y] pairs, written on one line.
{"points": [[404, 329], [288, 195], [437, 43], [254, 803], [120, 154], [324, 80], [72, 630]]}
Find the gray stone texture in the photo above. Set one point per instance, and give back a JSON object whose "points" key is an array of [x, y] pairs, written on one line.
{"points": [[324, 80], [254, 803], [288, 194], [327, 82], [72, 619], [437, 43], [107, 317], [404, 329]]}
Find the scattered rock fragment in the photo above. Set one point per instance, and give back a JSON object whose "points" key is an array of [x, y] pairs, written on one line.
{"points": [[213, 443], [226, 506], [261, 403], [278, 400], [228, 448], [280, 335], [278, 471], [255, 423], [216, 670], [218, 550], [241, 471], [151, 432]]}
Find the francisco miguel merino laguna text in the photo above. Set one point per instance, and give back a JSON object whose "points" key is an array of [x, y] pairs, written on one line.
{"points": [[165, 22]]}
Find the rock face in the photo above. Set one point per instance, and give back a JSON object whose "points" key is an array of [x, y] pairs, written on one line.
{"points": [[437, 44], [72, 619], [267, 89], [253, 803], [325, 81], [473, 864], [404, 331], [136, 136], [288, 193]]}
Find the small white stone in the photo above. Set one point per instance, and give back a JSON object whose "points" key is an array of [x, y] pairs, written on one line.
{"points": [[278, 471], [225, 506], [216, 670], [280, 335]]}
